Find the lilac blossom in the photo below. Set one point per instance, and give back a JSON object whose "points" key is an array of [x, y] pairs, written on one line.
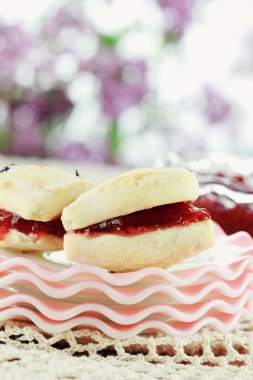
{"points": [[217, 108], [123, 82], [69, 15], [15, 44], [27, 142], [35, 108], [31, 109], [30, 118], [177, 15], [66, 26], [56, 104], [25, 129], [77, 151]]}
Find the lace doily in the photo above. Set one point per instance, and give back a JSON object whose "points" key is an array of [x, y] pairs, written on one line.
{"points": [[85, 354]]}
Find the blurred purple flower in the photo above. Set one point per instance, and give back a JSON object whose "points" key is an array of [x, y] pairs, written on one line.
{"points": [[26, 134], [216, 108], [27, 142], [40, 108], [177, 15], [69, 14], [15, 44], [35, 108], [63, 28], [76, 151], [63, 36], [56, 104], [123, 82], [29, 118]]}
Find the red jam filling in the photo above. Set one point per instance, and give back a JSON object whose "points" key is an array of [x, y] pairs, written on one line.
{"points": [[10, 221], [139, 222]]}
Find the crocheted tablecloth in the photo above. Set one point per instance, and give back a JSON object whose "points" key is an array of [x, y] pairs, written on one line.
{"points": [[26, 352]]}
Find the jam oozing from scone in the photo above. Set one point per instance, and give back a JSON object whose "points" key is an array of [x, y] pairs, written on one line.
{"points": [[160, 217], [9, 220]]}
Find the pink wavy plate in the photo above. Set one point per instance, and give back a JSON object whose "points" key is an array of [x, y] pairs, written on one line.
{"points": [[227, 260], [210, 289], [126, 316], [129, 296], [220, 321], [184, 277]]}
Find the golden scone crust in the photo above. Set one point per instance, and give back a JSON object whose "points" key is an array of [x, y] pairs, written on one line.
{"points": [[161, 248], [39, 192], [132, 191], [17, 240]]}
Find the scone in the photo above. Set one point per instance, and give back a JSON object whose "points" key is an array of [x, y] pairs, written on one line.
{"points": [[31, 202], [139, 219]]}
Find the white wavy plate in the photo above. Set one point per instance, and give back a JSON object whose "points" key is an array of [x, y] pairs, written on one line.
{"points": [[213, 288], [220, 322], [129, 296], [61, 311], [184, 277]]}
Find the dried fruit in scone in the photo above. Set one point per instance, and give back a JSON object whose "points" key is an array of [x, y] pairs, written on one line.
{"points": [[139, 219], [31, 202]]}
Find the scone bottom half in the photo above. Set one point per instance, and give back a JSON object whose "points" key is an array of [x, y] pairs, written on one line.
{"points": [[31, 202], [159, 235], [30, 235]]}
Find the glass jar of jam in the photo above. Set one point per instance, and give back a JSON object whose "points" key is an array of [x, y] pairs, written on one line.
{"points": [[229, 200], [226, 187]]}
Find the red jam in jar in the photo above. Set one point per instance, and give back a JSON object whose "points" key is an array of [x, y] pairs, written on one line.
{"points": [[10, 221], [139, 222], [229, 200]]}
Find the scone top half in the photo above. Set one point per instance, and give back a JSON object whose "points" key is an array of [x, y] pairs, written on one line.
{"points": [[31, 202], [142, 218], [135, 190]]}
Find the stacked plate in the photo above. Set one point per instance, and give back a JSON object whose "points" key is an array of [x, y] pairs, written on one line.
{"points": [[212, 289]]}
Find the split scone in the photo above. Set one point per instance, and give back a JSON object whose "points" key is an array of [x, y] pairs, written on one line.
{"points": [[31, 202], [139, 219]]}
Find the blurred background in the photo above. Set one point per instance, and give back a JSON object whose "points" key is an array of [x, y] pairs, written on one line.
{"points": [[125, 82]]}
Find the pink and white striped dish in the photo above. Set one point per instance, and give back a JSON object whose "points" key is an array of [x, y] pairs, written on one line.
{"points": [[129, 295], [218, 321], [213, 289], [60, 310]]}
